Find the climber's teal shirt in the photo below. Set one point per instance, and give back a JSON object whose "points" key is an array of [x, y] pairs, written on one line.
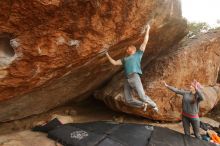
{"points": [[132, 63]]}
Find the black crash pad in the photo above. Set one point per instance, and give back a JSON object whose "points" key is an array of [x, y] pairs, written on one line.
{"points": [[166, 137], [102, 134], [114, 134]]}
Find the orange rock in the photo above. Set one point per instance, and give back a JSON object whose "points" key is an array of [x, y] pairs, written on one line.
{"points": [[58, 43]]}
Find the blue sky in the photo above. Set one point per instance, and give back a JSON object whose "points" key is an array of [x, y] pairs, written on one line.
{"points": [[201, 10]]}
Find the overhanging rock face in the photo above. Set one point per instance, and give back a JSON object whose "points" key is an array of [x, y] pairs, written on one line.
{"points": [[57, 47], [193, 59]]}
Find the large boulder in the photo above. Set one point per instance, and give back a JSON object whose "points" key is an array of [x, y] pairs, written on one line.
{"points": [[54, 48], [198, 58], [215, 113]]}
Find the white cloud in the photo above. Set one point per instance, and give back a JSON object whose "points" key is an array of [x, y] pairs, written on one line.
{"points": [[201, 10]]}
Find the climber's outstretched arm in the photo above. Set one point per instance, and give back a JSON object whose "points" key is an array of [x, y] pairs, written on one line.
{"points": [[146, 38], [114, 62]]}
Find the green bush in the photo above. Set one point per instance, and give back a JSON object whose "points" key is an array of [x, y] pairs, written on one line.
{"points": [[196, 28]]}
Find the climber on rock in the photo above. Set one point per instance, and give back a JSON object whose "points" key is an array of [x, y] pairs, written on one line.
{"points": [[190, 107], [132, 68]]}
